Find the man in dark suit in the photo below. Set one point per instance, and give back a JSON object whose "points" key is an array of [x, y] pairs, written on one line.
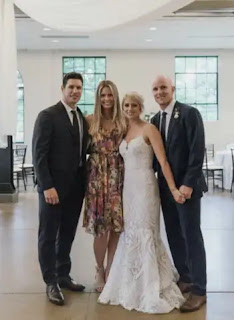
{"points": [[182, 131], [59, 155]]}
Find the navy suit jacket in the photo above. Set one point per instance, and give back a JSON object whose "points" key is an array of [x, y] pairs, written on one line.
{"points": [[185, 148]]}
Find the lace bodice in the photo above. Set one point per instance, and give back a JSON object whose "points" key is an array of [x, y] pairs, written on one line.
{"points": [[137, 154]]}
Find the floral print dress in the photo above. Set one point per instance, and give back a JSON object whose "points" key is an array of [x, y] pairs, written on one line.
{"points": [[103, 201]]}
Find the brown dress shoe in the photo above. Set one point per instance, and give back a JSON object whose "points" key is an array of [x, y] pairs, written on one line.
{"points": [[194, 302], [184, 286]]}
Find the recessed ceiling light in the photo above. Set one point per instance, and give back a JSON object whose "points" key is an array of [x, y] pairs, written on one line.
{"points": [[46, 29], [148, 40], [153, 28], [55, 40]]}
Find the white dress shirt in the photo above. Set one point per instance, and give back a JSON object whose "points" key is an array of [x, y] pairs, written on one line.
{"points": [[80, 122], [168, 110]]}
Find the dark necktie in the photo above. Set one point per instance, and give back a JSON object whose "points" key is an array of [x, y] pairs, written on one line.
{"points": [[76, 128], [163, 127], [75, 122]]}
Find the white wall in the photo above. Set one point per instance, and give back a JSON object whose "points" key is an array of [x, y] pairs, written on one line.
{"points": [[130, 70]]}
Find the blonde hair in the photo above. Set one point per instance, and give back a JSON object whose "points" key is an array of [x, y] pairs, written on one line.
{"points": [[117, 117], [135, 97]]}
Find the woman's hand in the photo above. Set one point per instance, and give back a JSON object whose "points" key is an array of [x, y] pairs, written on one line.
{"points": [[178, 196]]}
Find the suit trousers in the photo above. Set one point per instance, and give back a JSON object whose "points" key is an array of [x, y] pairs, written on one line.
{"points": [[57, 229], [182, 222]]}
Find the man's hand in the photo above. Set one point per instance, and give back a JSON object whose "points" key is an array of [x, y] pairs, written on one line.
{"points": [[51, 196], [178, 196], [186, 191]]}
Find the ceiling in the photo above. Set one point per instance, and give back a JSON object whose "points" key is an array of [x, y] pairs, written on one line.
{"points": [[195, 24]]}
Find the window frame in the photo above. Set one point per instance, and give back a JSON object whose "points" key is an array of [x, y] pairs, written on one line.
{"points": [[205, 73], [83, 75]]}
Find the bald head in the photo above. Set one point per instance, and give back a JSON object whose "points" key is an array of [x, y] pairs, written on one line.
{"points": [[165, 79], [163, 90]]}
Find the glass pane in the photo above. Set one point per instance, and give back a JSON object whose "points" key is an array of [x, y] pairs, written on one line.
{"points": [[89, 65], [89, 109], [201, 95], [180, 64], [20, 105], [20, 116], [19, 80], [82, 108], [202, 109], [89, 96], [190, 65], [82, 98], [100, 65], [180, 95], [89, 82], [180, 81], [190, 81], [98, 79], [20, 93], [212, 64], [211, 95], [212, 81], [19, 137], [201, 81], [201, 64], [20, 126], [68, 65], [79, 65], [212, 112], [190, 96]]}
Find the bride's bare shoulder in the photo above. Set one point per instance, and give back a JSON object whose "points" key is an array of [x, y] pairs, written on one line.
{"points": [[150, 129]]}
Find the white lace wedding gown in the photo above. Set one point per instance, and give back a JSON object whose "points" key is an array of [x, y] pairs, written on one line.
{"points": [[142, 276]]}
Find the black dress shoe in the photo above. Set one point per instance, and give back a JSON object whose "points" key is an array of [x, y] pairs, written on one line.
{"points": [[54, 294], [69, 283]]}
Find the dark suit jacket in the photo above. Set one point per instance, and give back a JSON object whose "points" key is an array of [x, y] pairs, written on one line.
{"points": [[185, 147], [55, 149]]}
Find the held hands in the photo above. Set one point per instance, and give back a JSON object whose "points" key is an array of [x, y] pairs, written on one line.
{"points": [[178, 196], [186, 191], [51, 196]]}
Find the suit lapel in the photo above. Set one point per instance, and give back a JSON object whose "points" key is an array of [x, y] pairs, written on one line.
{"points": [[173, 121], [158, 120]]}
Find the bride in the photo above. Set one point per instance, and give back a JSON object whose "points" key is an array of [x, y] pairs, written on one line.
{"points": [[142, 276]]}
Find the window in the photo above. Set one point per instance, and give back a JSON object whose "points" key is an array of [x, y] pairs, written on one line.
{"points": [[196, 80], [93, 70], [20, 114]]}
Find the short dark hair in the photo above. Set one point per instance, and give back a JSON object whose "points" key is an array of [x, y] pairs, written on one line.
{"points": [[72, 75]]}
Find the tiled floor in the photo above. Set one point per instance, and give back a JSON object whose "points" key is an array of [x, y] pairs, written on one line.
{"points": [[22, 292]]}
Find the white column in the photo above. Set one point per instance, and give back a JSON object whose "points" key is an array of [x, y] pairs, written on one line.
{"points": [[8, 69]]}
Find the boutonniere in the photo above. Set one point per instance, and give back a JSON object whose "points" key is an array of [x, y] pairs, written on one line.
{"points": [[176, 114]]}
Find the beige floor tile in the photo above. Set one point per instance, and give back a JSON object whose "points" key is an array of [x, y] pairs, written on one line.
{"points": [[36, 307]]}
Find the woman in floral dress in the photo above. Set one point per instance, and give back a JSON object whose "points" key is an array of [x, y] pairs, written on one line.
{"points": [[103, 216]]}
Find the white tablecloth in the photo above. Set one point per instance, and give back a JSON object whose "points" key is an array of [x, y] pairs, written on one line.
{"points": [[224, 159]]}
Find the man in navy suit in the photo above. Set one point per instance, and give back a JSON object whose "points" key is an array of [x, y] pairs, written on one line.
{"points": [[59, 156], [182, 131]]}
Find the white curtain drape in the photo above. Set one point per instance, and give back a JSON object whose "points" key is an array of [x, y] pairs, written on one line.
{"points": [[8, 71]]}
